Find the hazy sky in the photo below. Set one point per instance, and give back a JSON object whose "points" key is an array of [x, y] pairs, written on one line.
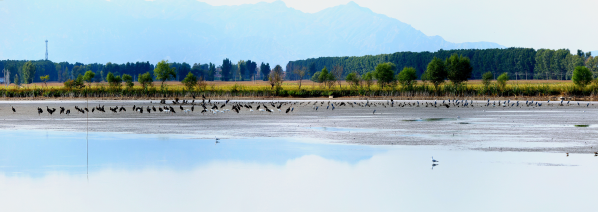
{"points": [[538, 24]]}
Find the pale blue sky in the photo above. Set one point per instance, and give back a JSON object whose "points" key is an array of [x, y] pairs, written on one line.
{"points": [[520, 23]]}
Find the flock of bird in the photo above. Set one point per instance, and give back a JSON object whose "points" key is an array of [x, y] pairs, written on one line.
{"points": [[207, 106]]}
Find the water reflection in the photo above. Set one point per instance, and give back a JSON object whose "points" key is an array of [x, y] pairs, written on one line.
{"points": [[143, 173]]}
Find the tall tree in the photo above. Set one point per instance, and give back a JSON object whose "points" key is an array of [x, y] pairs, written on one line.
{"points": [[276, 77], [88, 77], [436, 72], [164, 72], [385, 73], [251, 67], [242, 70], [312, 69], [265, 69], [227, 67], [28, 72], [300, 73], [211, 72], [407, 76], [338, 74], [458, 68]]}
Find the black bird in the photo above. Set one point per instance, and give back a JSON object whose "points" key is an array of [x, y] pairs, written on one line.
{"points": [[39, 111], [68, 112], [13, 109], [61, 110]]}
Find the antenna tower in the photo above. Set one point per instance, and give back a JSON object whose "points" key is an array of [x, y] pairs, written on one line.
{"points": [[46, 49]]}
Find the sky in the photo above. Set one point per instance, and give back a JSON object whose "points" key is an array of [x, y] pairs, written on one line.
{"points": [[552, 24]]}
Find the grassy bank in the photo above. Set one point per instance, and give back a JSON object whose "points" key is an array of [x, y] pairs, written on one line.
{"points": [[473, 89]]}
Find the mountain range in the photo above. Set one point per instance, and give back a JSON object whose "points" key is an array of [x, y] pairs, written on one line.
{"points": [[196, 32]]}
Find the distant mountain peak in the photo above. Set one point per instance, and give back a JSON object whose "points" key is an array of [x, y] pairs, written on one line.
{"points": [[195, 32]]}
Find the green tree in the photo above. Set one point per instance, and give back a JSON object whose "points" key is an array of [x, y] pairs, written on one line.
{"points": [[368, 77], [190, 81], [385, 73], [312, 69], [316, 77], [88, 77], [128, 79], [45, 79], [145, 80], [502, 80], [28, 72], [113, 81], [164, 72], [16, 80], [436, 72], [487, 78], [582, 76], [227, 67], [353, 79], [327, 78], [211, 72], [407, 76], [458, 68], [265, 69]]}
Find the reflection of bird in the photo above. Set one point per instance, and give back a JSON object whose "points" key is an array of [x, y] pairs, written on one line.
{"points": [[434, 165], [217, 140], [374, 112], [435, 161]]}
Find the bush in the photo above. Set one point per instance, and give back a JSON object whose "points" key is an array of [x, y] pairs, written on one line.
{"points": [[502, 80], [487, 78], [146, 80], [128, 80], [190, 81], [353, 79], [582, 76]]}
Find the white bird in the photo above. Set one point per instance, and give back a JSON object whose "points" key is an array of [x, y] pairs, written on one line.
{"points": [[434, 161]]}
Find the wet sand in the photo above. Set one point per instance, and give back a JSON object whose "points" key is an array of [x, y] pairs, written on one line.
{"points": [[549, 128]]}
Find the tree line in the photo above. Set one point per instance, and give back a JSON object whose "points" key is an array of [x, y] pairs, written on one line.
{"points": [[520, 63], [23, 71]]}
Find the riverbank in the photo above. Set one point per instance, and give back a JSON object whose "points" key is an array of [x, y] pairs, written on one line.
{"points": [[547, 128]]}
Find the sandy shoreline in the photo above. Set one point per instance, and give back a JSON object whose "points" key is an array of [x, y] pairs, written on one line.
{"points": [[550, 128]]}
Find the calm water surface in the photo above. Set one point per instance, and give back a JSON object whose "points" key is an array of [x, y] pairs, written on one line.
{"points": [[48, 171]]}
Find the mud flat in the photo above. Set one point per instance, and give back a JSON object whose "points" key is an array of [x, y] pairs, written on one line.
{"points": [[550, 128]]}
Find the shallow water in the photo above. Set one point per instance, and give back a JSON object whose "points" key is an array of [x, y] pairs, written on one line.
{"points": [[47, 171]]}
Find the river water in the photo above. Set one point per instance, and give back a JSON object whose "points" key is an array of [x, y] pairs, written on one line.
{"points": [[75, 171]]}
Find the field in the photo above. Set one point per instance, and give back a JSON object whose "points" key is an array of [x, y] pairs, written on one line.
{"points": [[537, 89]]}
